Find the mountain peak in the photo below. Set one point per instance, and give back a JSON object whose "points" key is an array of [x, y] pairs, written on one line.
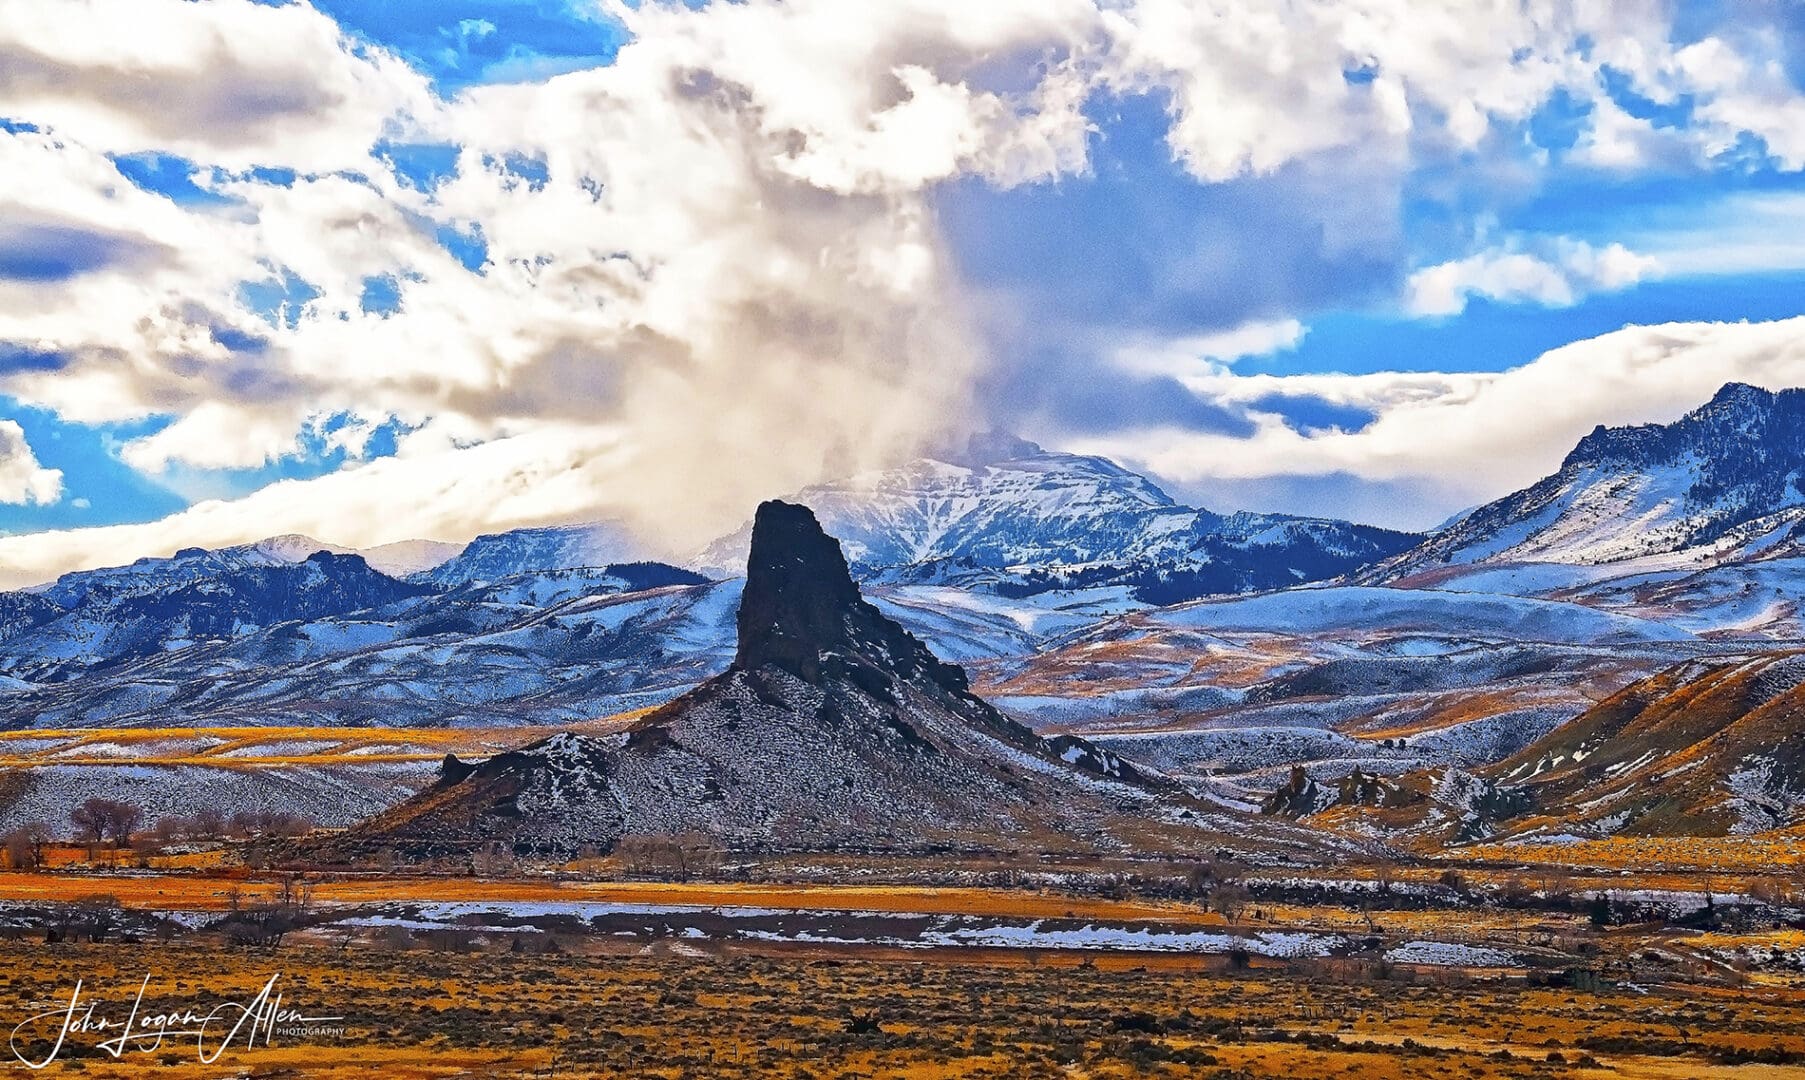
{"points": [[1740, 393], [989, 448], [1714, 482], [798, 592], [1032, 520], [1738, 412], [802, 613], [291, 547]]}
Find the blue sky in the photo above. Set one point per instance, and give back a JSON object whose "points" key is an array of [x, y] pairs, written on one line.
{"points": [[493, 230]]}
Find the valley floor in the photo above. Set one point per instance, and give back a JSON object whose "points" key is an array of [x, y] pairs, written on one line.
{"points": [[670, 1012], [427, 977]]}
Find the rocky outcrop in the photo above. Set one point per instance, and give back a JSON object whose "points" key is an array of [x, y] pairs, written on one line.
{"points": [[834, 729]]}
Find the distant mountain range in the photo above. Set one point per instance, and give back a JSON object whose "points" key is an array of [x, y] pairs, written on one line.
{"points": [[563, 622], [1002, 551], [1725, 482], [154, 606], [271, 633], [1002, 516], [1009, 517]]}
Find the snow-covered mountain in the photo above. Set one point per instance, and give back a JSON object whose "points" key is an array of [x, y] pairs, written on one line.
{"points": [[494, 556], [406, 557], [186, 565], [96, 618], [1010, 517], [1721, 484], [285, 632]]}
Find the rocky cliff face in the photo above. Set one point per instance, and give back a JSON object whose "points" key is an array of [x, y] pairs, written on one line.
{"points": [[802, 614]]}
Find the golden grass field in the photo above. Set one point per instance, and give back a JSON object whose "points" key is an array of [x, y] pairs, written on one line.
{"points": [[590, 1006], [598, 1011], [213, 892]]}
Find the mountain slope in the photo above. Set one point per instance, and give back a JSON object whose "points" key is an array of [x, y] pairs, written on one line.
{"points": [[1231, 693], [1721, 483], [1013, 518], [833, 729], [108, 617], [1701, 749], [494, 556], [550, 647]]}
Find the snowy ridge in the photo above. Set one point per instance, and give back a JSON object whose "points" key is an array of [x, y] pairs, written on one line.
{"points": [[1723, 482], [1019, 519], [494, 556]]}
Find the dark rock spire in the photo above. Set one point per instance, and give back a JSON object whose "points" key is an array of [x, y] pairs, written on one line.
{"points": [[801, 611]]}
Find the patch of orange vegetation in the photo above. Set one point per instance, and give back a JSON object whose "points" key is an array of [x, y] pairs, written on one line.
{"points": [[1750, 854], [213, 892], [1465, 707], [236, 747]]}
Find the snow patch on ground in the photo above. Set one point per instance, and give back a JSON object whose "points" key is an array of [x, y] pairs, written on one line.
{"points": [[1449, 954]]}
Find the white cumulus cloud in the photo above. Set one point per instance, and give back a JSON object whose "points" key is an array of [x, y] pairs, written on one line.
{"points": [[22, 479], [1465, 438], [226, 82], [1558, 277]]}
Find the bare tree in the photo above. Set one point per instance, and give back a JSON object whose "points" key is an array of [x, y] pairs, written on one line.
{"points": [[171, 828], [1230, 899], [1206, 875], [1557, 886], [97, 915], [264, 923], [678, 858], [384, 860], [90, 823], [24, 845], [104, 819], [255, 824], [697, 855], [207, 824], [494, 859], [122, 820]]}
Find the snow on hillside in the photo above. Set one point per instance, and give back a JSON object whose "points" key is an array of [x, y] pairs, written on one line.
{"points": [[1747, 601], [965, 626], [1728, 478], [493, 556], [1032, 508], [1016, 519], [1460, 615]]}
